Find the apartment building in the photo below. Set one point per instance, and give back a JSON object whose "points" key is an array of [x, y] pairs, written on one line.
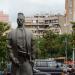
{"points": [[70, 14], [4, 17], [70, 10], [40, 23]]}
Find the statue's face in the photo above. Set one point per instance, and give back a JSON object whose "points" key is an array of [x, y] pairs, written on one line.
{"points": [[20, 19]]}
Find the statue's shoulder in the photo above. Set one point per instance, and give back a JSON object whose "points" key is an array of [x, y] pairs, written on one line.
{"points": [[12, 31]]}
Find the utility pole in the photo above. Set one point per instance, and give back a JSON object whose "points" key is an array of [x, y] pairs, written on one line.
{"points": [[66, 48], [73, 53], [73, 56], [37, 38]]}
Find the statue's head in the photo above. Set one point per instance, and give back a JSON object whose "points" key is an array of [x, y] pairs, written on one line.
{"points": [[20, 19]]}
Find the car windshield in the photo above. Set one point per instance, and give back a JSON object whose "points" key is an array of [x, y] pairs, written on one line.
{"points": [[42, 64], [52, 64], [45, 64]]}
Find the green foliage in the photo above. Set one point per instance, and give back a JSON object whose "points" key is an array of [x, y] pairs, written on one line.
{"points": [[73, 33], [3, 45], [54, 45], [73, 24]]}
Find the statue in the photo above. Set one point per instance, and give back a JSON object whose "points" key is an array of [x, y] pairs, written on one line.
{"points": [[21, 48]]}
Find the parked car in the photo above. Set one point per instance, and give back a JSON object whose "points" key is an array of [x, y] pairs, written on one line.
{"points": [[38, 72], [49, 66]]}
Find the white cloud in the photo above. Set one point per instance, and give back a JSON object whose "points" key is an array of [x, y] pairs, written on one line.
{"points": [[40, 1], [13, 25], [4, 5], [50, 2]]}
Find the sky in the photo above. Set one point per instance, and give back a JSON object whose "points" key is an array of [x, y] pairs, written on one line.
{"points": [[31, 7]]}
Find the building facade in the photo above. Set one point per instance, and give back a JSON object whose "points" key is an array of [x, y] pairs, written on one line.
{"points": [[41, 23], [70, 14], [69, 10], [4, 17]]}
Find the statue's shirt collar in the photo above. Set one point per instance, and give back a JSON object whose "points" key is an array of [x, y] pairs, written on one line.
{"points": [[20, 28]]}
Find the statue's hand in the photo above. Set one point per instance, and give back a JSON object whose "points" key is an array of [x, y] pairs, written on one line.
{"points": [[32, 63], [16, 61]]}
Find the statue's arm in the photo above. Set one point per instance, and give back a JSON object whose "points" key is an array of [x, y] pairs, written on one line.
{"points": [[9, 46]]}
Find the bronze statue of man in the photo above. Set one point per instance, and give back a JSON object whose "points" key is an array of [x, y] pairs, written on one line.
{"points": [[21, 48]]}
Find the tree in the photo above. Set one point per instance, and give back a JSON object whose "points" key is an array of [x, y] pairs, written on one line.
{"points": [[53, 45], [3, 44], [47, 43], [73, 33], [50, 43], [65, 44]]}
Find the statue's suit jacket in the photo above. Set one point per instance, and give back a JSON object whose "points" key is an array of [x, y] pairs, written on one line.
{"points": [[20, 37], [15, 36]]}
